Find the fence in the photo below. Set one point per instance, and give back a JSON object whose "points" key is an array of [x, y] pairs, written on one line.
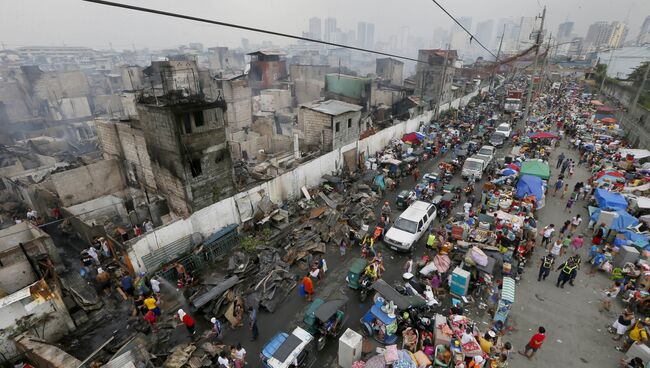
{"points": [[237, 209]]}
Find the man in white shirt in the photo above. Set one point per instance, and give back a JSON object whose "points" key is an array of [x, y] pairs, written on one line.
{"points": [[547, 234]]}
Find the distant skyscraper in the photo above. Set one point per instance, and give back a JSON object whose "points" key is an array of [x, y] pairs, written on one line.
{"points": [[527, 26], [370, 35], [644, 33], [460, 39], [484, 33], [315, 28], [564, 31], [510, 35], [597, 36], [330, 29], [440, 38], [365, 34], [617, 34]]}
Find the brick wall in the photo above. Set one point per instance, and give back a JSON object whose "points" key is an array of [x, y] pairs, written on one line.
{"points": [[88, 182], [315, 126]]}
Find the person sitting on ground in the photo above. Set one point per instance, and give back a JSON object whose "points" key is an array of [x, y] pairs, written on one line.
{"points": [[445, 355]]}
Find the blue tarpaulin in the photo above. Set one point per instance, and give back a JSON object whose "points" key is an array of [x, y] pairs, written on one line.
{"points": [[528, 185], [623, 221], [636, 239], [610, 200]]}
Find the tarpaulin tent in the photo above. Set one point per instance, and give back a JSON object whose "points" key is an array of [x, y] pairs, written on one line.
{"points": [[535, 168], [610, 200], [411, 138], [608, 120], [530, 185], [623, 221], [543, 135], [636, 239], [638, 154]]}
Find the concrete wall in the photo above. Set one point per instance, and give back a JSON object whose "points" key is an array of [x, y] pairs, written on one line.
{"points": [[308, 82], [127, 144], [279, 189], [316, 128], [13, 99], [635, 122], [88, 182], [280, 99], [385, 96], [15, 276], [238, 97], [390, 70]]}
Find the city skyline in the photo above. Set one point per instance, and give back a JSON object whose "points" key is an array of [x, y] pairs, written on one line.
{"points": [[145, 30]]}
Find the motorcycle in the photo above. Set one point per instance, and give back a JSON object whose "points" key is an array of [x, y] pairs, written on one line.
{"points": [[365, 285]]}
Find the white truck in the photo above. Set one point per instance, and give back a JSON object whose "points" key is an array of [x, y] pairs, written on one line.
{"points": [[473, 167]]}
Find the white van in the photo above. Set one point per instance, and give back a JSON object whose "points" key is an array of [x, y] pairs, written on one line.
{"points": [[473, 167], [410, 226]]}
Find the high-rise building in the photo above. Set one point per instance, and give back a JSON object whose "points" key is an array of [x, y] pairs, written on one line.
{"points": [[597, 36], [617, 34], [440, 38], [644, 33], [365, 34], [460, 39], [370, 35], [510, 33], [484, 33], [330, 29], [527, 31], [564, 31], [315, 28]]}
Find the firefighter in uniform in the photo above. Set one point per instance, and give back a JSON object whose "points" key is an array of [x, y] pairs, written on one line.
{"points": [[545, 266]]}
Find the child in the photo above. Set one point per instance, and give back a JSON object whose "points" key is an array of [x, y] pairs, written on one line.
{"points": [[565, 190], [571, 169], [569, 204], [577, 243]]}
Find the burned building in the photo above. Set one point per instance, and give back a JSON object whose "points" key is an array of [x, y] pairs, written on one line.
{"points": [[390, 71], [268, 69], [435, 74], [308, 82], [328, 125], [185, 136], [348, 88]]}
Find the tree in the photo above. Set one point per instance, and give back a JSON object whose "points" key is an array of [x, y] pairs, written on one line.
{"points": [[637, 75], [600, 72]]}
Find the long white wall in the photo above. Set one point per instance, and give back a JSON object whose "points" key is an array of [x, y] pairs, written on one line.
{"points": [[237, 208]]}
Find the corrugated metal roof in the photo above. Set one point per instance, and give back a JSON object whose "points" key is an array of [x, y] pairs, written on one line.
{"points": [[268, 53], [333, 107]]}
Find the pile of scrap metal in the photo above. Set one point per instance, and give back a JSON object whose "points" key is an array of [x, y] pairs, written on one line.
{"points": [[192, 356], [260, 280]]}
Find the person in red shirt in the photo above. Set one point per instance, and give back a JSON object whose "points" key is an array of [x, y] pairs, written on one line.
{"points": [[187, 321], [535, 343]]}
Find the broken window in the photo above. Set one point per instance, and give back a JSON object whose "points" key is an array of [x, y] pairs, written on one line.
{"points": [[195, 167], [349, 123], [337, 126], [187, 123], [198, 119]]}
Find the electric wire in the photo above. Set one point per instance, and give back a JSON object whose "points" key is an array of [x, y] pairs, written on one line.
{"points": [[472, 37], [247, 28]]}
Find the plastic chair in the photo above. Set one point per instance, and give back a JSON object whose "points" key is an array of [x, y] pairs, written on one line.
{"points": [[438, 363]]}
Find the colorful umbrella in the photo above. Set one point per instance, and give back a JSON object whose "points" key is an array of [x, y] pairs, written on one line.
{"points": [[513, 166], [508, 172], [608, 120], [602, 173], [543, 135]]}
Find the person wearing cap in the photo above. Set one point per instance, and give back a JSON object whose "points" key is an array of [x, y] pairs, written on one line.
{"points": [[638, 334], [217, 330], [487, 341], [187, 321]]}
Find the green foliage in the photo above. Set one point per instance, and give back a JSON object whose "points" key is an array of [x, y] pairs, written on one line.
{"points": [[250, 243]]}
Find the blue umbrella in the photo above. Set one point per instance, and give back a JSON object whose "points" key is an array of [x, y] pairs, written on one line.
{"points": [[508, 172]]}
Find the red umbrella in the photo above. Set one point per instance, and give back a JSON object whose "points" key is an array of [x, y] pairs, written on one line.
{"points": [[542, 135], [616, 174]]}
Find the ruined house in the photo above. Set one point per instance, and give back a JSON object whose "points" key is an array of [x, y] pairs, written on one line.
{"points": [[434, 79], [268, 69], [390, 71], [185, 136], [330, 124], [307, 82], [348, 88]]}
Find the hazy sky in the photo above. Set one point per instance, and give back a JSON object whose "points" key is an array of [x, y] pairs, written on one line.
{"points": [[77, 23]]}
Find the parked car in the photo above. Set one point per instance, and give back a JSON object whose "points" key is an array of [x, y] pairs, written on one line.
{"points": [[410, 225]]}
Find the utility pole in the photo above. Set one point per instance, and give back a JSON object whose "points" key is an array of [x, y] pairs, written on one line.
{"points": [[609, 62], [638, 91], [496, 60], [538, 42], [442, 86]]}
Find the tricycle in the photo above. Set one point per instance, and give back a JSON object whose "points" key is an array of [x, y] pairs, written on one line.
{"points": [[288, 350], [402, 199], [381, 323], [325, 318]]}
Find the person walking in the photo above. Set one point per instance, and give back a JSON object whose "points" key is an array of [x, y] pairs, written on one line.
{"points": [[575, 222], [547, 234], [556, 249], [252, 323], [534, 344], [565, 165], [560, 158], [566, 270], [569, 204], [239, 356], [558, 186], [577, 243], [187, 321], [565, 190], [545, 266], [385, 211], [309, 287], [217, 330]]}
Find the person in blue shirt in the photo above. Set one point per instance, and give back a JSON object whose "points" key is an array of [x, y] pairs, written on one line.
{"points": [[127, 284], [598, 260]]}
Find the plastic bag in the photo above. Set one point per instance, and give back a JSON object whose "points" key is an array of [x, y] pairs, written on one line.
{"points": [[478, 256], [301, 290]]}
